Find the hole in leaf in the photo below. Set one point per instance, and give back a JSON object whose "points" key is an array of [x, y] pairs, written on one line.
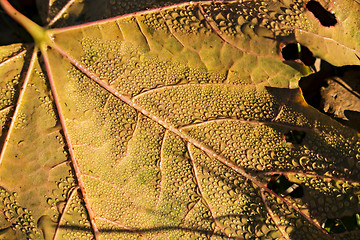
{"points": [[282, 186], [294, 136], [293, 51], [334, 226], [325, 17], [340, 225], [290, 51]]}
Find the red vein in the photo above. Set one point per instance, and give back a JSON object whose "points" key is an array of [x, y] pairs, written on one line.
{"points": [[8, 108], [170, 30], [217, 31], [17, 55], [107, 102], [273, 216], [196, 203], [60, 13], [178, 39], [18, 103], [64, 211], [296, 209], [269, 77], [59, 164], [281, 110], [253, 122], [244, 185], [117, 162], [201, 191], [242, 86], [70, 147], [142, 33]]}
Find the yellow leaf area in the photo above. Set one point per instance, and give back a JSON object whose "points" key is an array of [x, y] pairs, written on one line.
{"points": [[168, 124]]}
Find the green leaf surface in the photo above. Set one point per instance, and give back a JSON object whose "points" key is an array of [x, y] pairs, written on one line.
{"points": [[174, 123]]}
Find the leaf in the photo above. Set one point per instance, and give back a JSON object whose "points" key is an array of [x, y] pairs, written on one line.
{"points": [[172, 124], [345, 91]]}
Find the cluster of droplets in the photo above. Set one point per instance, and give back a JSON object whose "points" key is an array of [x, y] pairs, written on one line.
{"points": [[234, 202], [27, 225], [199, 217], [78, 235], [252, 146], [185, 19], [8, 92], [10, 51], [200, 103], [155, 22], [150, 74], [89, 94], [255, 107], [292, 223], [179, 188], [4, 116], [7, 98], [61, 142], [292, 116], [331, 198], [65, 186], [48, 104], [116, 119], [131, 73], [21, 120], [21, 218], [75, 216], [55, 8], [104, 59], [121, 119], [257, 147], [251, 17], [333, 153], [115, 202], [149, 135], [140, 76]]}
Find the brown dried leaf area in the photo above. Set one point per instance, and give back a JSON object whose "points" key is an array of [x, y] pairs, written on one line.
{"points": [[183, 122], [345, 91]]}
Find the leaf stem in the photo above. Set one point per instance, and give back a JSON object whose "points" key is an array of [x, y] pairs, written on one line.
{"points": [[39, 34]]}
